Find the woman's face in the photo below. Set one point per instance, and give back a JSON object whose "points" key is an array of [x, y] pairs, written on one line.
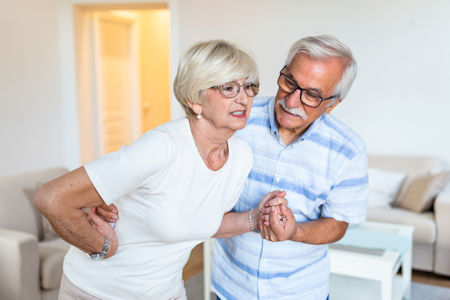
{"points": [[227, 113]]}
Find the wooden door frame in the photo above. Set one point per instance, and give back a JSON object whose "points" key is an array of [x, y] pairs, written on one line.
{"points": [[76, 116], [135, 99]]}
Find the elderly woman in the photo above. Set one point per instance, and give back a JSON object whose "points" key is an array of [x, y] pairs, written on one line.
{"points": [[172, 187]]}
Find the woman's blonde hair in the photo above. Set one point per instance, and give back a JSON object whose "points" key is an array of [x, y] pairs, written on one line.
{"points": [[208, 64]]}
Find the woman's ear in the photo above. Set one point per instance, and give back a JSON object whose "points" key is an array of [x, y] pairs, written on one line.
{"points": [[196, 107]]}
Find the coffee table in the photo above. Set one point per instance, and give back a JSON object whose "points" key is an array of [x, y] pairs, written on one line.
{"points": [[365, 263]]}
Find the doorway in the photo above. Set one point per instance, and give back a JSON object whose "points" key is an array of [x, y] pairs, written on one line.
{"points": [[123, 80]]}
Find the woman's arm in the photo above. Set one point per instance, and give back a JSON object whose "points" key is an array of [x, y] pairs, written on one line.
{"points": [[61, 201], [235, 223]]}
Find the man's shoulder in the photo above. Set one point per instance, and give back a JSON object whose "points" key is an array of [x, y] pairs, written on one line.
{"points": [[260, 107], [343, 134], [261, 101], [258, 121]]}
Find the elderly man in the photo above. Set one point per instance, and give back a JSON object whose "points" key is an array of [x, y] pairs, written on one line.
{"points": [[318, 161]]}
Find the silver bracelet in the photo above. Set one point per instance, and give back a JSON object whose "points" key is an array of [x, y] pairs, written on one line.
{"points": [[250, 221], [102, 254]]}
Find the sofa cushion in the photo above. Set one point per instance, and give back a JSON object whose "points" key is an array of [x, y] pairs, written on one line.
{"points": [[421, 192], [47, 229], [51, 256], [17, 211], [384, 187], [413, 166], [16, 200], [49, 233], [424, 225]]}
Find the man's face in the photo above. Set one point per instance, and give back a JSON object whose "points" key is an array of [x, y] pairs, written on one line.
{"points": [[318, 76]]}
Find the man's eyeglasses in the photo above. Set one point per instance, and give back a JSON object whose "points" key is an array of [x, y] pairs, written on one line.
{"points": [[232, 89], [307, 97]]}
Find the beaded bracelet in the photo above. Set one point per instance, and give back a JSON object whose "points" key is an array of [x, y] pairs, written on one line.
{"points": [[250, 221]]}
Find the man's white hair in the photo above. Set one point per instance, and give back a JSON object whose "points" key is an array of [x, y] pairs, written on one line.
{"points": [[324, 47]]}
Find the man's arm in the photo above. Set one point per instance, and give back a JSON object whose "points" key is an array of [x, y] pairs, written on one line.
{"points": [[320, 231], [61, 201]]}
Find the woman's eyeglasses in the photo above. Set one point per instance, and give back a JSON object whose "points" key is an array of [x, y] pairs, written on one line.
{"points": [[232, 89]]}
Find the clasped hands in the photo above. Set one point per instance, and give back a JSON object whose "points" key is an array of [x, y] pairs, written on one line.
{"points": [[276, 221]]}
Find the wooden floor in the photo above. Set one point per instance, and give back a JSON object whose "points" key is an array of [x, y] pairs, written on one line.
{"points": [[195, 265], [430, 278]]}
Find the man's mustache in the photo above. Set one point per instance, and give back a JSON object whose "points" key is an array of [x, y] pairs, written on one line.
{"points": [[295, 110]]}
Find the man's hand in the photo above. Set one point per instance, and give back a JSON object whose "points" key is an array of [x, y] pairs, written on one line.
{"points": [[281, 226], [104, 229], [109, 213], [271, 199], [277, 220]]}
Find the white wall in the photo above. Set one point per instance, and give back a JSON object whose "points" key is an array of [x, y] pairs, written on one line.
{"points": [[29, 86], [400, 100], [38, 107]]}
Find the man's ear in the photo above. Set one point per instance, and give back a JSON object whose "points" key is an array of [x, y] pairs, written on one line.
{"points": [[196, 107], [331, 107]]}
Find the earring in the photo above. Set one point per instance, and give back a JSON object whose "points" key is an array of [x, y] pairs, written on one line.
{"points": [[199, 116]]}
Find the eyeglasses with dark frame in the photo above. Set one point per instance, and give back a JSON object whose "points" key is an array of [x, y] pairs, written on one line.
{"points": [[307, 97], [232, 89]]}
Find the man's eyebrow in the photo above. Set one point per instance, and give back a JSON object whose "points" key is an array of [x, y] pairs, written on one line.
{"points": [[291, 77], [314, 90]]}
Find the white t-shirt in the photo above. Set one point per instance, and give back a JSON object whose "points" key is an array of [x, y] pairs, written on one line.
{"points": [[168, 202]]}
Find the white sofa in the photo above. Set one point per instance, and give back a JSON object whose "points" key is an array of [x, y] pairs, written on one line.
{"points": [[31, 255], [431, 239]]}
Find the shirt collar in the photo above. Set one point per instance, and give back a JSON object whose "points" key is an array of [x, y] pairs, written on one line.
{"points": [[274, 129]]}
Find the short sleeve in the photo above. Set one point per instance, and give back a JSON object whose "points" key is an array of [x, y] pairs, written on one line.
{"points": [[245, 157], [347, 200], [235, 196], [118, 173]]}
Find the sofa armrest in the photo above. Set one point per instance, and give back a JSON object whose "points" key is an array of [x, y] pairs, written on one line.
{"points": [[442, 248], [19, 261]]}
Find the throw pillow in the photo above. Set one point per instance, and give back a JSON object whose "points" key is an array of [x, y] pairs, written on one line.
{"points": [[49, 233], [383, 187], [420, 194]]}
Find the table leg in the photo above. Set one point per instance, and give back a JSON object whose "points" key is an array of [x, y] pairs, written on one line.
{"points": [[406, 272], [207, 248], [386, 285]]}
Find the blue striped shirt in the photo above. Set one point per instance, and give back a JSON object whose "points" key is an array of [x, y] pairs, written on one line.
{"points": [[324, 173]]}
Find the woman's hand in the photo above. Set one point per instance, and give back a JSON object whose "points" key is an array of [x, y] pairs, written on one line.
{"points": [[109, 213], [105, 229], [271, 199]]}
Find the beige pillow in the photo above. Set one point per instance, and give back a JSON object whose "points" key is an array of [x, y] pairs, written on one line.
{"points": [[420, 194], [48, 232]]}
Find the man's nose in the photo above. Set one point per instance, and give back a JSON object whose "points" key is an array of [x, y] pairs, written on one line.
{"points": [[293, 99]]}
